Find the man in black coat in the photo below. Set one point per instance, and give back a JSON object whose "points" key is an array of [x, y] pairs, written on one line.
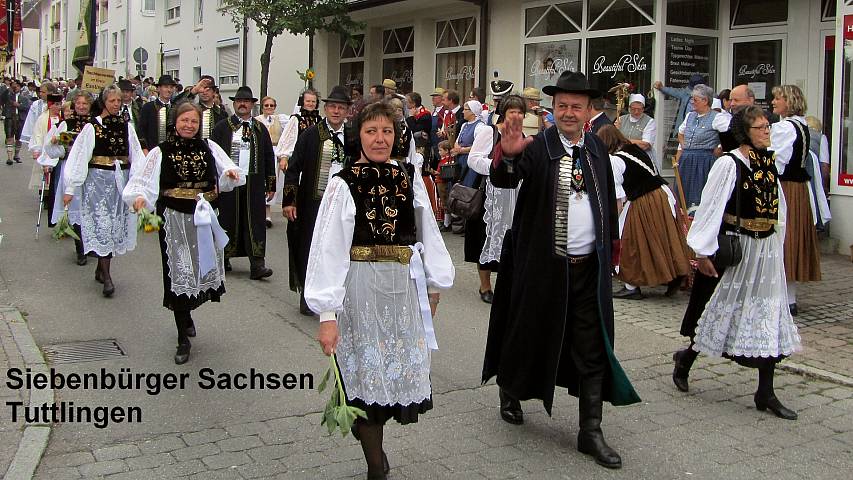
{"points": [[130, 108], [242, 212], [318, 155], [552, 318], [155, 119], [204, 93], [597, 117]]}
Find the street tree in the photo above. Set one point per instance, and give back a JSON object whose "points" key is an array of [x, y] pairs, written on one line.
{"points": [[298, 17]]}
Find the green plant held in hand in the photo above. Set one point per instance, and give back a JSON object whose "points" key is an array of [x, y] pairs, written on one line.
{"points": [[64, 229], [147, 221], [337, 413]]}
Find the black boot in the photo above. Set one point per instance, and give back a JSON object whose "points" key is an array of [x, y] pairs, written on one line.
{"points": [[510, 408], [765, 397], [78, 247], [258, 269], [109, 288], [683, 361], [590, 437], [182, 321]]}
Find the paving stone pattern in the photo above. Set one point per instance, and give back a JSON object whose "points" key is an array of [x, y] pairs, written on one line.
{"points": [[10, 432]]}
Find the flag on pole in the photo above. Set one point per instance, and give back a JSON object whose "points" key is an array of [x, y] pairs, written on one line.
{"points": [[84, 52]]}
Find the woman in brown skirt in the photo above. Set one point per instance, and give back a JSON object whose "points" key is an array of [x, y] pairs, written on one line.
{"points": [[654, 251], [789, 139]]}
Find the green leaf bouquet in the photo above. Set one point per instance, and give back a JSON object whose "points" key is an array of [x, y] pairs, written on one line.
{"points": [[338, 415]]}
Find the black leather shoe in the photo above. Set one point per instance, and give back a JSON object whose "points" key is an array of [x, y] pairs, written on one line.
{"points": [[673, 286], [109, 288], [774, 405], [487, 296], [592, 443], [260, 273], [683, 361], [227, 265], [510, 409], [793, 308], [268, 223], [182, 354], [8, 162], [81, 259], [626, 294]]}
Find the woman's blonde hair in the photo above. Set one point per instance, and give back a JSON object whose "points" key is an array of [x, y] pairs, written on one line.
{"points": [[794, 97]]}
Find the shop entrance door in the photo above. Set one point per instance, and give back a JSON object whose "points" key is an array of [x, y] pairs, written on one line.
{"points": [[757, 61]]}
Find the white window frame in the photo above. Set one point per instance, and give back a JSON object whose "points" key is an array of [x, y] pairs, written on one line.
{"points": [[356, 59], [401, 54], [122, 45], [175, 73], [198, 14], [230, 42], [148, 12], [733, 27], [465, 48], [114, 47], [173, 14]]}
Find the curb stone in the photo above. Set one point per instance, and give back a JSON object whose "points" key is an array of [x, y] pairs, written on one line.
{"points": [[35, 436], [817, 373]]}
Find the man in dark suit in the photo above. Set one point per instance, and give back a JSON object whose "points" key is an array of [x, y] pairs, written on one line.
{"points": [[242, 211], [598, 118], [552, 317], [204, 93], [155, 121], [130, 108], [16, 106]]}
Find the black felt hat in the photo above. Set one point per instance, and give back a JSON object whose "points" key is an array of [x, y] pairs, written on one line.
{"points": [[244, 93], [124, 84], [339, 94], [165, 80], [54, 97], [571, 82], [499, 88]]}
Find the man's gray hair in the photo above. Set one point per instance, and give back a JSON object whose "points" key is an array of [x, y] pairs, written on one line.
{"points": [[704, 91], [50, 87]]}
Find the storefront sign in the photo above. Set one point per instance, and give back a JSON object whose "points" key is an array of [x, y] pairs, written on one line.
{"points": [[845, 165], [352, 73], [686, 55], [626, 63], [544, 62], [460, 74], [759, 65], [620, 59], [456, 71]]}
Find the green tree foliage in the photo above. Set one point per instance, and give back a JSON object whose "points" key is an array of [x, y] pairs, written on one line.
{"points": [[298, 17]]}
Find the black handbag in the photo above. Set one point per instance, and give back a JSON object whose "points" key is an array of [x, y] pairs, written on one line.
{"points": [[729, 251], [467, 202], [450, 171]]}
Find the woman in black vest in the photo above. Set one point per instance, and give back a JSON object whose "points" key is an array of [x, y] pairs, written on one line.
{"points": [[653, 248], [179, 180], [747, 317], [97, 170]]}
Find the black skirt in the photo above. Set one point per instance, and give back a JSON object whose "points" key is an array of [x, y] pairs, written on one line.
{"points": [[475, 240], [703, 288]]}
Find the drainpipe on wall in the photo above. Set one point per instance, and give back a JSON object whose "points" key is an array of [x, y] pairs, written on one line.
{"points": [[482, 68]]}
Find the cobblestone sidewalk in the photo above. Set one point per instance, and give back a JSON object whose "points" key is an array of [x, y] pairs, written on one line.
{"points": [[712, 432], [10, 356]]}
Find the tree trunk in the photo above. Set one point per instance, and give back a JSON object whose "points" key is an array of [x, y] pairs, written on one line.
{"points": [[265, 64]]}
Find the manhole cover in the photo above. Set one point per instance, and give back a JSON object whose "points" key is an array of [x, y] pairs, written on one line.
{"points": [[87, 351]]}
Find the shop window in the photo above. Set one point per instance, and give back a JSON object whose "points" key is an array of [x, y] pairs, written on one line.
{"points": [[553, 19], [692, 13], [398, 40], [620, 59], [608, 14], [544, 62], [401, 71], [759, 65], [827, 10], [352, 47], [456, 71], [757, 12], [845, 161], [456, 33]]}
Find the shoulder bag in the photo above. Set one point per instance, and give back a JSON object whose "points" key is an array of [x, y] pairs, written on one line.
{"points": [[729, 250]]}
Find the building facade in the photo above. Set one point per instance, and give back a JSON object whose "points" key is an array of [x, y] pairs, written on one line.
{"points": [[196, 38], [460, 44]]}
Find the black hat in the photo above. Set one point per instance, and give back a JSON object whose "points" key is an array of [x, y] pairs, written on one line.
{"points": [[339, 94], [244, 93], [125, 85], [54, 97], [571, 82], [499, 88], [165, 80]]}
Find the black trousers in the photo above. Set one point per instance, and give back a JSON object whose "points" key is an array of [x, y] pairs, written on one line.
{"points": [[583, 335]]}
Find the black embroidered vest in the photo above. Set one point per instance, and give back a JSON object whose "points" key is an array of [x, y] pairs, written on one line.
{"points": [[384, 203], [759, 197], [402, 142], [795, 171], [186, 165], [111, 140], [638, 181], [307, 119]]}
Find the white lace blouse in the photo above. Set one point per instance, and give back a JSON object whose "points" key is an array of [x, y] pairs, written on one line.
{"points": [[77, 165]]}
